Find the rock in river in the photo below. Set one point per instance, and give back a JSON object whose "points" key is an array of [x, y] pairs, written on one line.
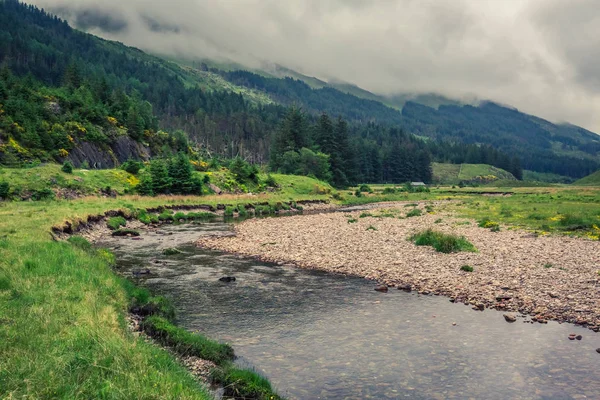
{"points": [[227, 279], [382, 288], [509, 317]]}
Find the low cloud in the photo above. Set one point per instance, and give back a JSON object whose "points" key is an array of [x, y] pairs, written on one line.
{"points": [[537, 55]]}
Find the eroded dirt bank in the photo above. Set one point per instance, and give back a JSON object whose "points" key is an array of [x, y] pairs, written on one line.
{"points": [[547, 277]]}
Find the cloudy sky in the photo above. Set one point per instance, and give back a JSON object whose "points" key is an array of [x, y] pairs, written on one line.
{"points": [[541, 56]]}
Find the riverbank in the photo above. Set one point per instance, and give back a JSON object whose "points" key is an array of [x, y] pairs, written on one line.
{"points": [[547, 277], [63, 327]]}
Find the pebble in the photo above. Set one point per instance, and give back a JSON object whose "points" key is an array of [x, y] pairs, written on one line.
{"points": [[382, 289], [509, 317]]}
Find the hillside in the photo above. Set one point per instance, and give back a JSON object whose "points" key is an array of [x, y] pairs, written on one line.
{"points": [[453, 174], [590, 180], [229, 112]]}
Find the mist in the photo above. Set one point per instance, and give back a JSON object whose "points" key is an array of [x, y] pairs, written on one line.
{"points": [[540, 56]]}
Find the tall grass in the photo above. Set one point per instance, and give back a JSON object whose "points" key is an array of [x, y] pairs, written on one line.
{"points": [[442, 242]]}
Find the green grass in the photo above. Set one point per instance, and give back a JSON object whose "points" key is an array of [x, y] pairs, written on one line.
{"points": [[115, 223], [126, 232], [244, 384], [452, 174], [442, 242], [590, 180], [466, 268], [415, 212], [187, 343], [81, 181]]}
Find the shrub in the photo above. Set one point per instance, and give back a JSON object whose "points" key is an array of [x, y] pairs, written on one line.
{"points": [[466, 268], [67, 167], [114, 223], [166, 215], [365, 189], [352, 220], [4, 190], [133, 167], [242, 212], [43, 194], [487, 223], [389, 190], [186, 343], [444, 243], [229, 211], [414, 213]]}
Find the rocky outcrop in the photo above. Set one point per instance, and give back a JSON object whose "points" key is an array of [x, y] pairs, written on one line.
{"points": [[108, 156]]}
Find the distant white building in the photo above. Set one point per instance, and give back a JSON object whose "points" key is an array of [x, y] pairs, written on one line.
{"points": [[417, 184]]}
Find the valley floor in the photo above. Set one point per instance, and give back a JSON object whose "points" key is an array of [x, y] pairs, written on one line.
{"points": [[549, 277]]}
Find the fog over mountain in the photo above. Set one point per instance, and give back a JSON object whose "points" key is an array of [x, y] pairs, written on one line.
{"points": [[538, 55]]}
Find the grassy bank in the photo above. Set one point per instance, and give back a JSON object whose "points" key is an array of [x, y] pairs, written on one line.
{"points": [[63, 332]]}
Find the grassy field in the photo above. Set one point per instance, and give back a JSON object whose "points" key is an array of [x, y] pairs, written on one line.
{"points": [[62, 310], [452, 174], [590, 180]]}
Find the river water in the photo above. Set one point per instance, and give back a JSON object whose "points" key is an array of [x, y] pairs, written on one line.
{"points": [[317, 335]]}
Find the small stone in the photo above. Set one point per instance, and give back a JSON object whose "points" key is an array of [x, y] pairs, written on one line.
{"points": [[578, 337], [509, 317], [454, 324], [598, 350], [406, 288], [382, 288], [572, 336], [227, 279]]}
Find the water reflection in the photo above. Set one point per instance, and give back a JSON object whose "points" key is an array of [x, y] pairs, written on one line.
{"points": [[324, 336]]}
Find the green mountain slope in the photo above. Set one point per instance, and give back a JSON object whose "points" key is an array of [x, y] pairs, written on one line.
{"points": [[590, 180], [452, 174]]}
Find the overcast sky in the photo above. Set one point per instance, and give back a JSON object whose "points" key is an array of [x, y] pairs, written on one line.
{"points": [[541, 56]]}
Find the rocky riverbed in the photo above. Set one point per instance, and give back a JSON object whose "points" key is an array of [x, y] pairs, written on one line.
{"points": [[547, 277]]}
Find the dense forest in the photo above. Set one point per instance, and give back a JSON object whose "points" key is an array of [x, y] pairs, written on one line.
{"points": [[61, 87]]}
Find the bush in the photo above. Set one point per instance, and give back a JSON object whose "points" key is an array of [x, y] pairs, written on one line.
{"points": [[4, 190], [133, 167], [365, 189], [389, 190], [114, 223], [186, 343], [179, 216], [166, 215], [444, 243], [67, 167], [416, 212], [43, 194], [466, 268], [229, 211], [487, 223]]}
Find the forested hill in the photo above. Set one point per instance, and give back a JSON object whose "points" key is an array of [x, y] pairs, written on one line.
{"points": [[55, 77]]}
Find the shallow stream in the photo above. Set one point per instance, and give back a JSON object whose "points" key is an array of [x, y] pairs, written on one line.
{"points": [[317, 335]]}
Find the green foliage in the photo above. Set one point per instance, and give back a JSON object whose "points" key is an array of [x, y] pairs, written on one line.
{"points": [[229, 210], [371, 228], [466, 268], [132, 166], [487, 223], [270, 181], [43, 194], [365, 188], [243, 171], [444, 243], [352, 220], [415, 212], [4, 190], [67, 167], [114, 223], [174, 176], [186, 343]]}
